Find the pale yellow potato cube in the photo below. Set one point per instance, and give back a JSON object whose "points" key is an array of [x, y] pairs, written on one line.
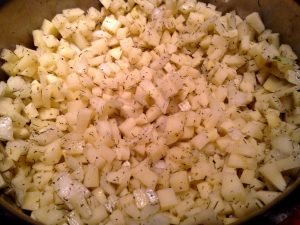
{"points": [[116, 53], [48, 114], [200, 140], [232, 188], [31, 200], [204, 189], [111, 24], [106, 3], [255, 22], [272, 173], [267, 196], [179, 181], [167, 198], [117, 217], [145, 175], [91, 178]]}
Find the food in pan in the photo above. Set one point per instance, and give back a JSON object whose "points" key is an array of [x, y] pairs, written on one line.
{"points": [[149, 112]]}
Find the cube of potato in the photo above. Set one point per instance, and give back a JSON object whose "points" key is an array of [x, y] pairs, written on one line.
{"points": [[156, 151], [16, 148], [141, 199], [106, 153], [234, 60], [267, 196], [255, 22], [179, 181], [174, 127], [99, 194], [52, 153], [91, 178], [48, 28], [120, 176], [273, 118], [145, 175], [239, 161], [232, 188], [283, 143], [31, 200], [201, 170], [106, 3], [8, 55], [288, 163], [41, 179], [272, 173], [31, 111], [116, 53], [83, 119], [167, 198], [273, 84], [6, 129], [200, 140], [50, 41], [111, 24], [204, 189], [99, 213], [184, 206], [117, 217], [48, 114], [127, 126]]}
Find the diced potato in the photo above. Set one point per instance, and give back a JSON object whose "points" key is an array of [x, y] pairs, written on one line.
{"points": [[255, 22], [6, 129], [111, 25], [201, 170], [48, 114], [239, 161], [232, 188], [179, 181], [106, 3], [200, 140], [117, 217], [48, 28], [283, 143], [116, 53], [174, 127], [272, 173], [31, 111], [141, 198], [31, 200], [287, 163], [152, 112], [204, 189], [16, 148], [145, 175], [91, 178], [206, 216], [48, 215], [121, 176], [100, 195], [267, 196], [167, 198], [98, 214]]}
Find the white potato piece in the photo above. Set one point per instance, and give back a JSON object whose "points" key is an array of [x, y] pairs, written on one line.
{"points": [[179, 181], [272, 173], [255, 22], [6, 129], [167, 198], [267, 196], [232, 188]]}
